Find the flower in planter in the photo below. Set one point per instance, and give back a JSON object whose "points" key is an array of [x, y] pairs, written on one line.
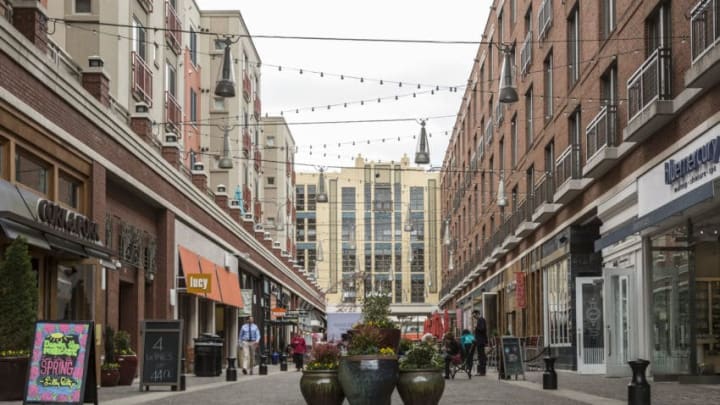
{"points": [[368, 340], [324, 357], [110, 366], [376, 311], [122, 344], [421, 356]]}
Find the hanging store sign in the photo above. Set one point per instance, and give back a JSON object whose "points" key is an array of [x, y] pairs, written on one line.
{"points": [[67, 221], [198, 283], [520, 298]]}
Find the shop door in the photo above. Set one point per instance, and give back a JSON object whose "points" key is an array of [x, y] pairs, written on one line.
{"points": [[590, 333], [619, 309]]}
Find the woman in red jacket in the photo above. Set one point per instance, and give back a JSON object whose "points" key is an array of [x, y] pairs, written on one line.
{"points": [[299, 349]]}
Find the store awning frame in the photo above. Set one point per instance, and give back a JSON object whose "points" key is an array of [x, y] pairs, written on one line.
{"points": [[224, 285]]}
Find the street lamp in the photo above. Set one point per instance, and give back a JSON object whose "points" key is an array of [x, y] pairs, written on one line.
{"points": [[422, 153], [226, 161], [501, 198], [321, 196], [225, 85], [507, 93]]}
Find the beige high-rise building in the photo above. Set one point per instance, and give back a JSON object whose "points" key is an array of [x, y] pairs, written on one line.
{"points": [[379, 231]]}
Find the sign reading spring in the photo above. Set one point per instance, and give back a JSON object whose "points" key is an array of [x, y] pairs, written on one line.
{"points": [[62, 366]]}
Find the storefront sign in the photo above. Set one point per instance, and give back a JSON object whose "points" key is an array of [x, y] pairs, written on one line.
{"points": [[278, 312], [520, 290], [198, 283], [686, 170], [67, 221], [62, 367], [247, 297]]}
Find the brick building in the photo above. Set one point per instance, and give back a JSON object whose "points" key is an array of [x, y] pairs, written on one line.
{"points": [[598, 240]]}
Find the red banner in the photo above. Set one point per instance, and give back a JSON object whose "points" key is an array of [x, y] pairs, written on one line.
{"points": [[520, 290]]}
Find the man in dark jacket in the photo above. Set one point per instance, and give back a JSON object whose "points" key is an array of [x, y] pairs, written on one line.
{"points": [[480, 341]]}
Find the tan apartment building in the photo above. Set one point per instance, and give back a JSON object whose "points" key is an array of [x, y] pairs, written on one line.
{"points": [[379, 231], [600, 239]]}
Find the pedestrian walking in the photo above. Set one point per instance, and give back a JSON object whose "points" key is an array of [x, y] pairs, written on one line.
{"points": [[481, 340], [249, 339], [298, 349]]}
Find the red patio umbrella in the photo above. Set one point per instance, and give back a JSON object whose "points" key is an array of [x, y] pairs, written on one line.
{"points": [[427, 325], [437, 327], [446, 322]]}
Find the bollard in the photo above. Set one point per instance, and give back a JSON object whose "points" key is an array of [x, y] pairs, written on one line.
{"points": [[549, 375], [263, 364], [638, 389], [231, 372], [182, 374], [283, 362]]}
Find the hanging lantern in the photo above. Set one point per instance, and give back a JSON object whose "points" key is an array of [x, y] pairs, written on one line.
{"points": [[319, 253], [507, 92], [446, 240], [501, 199], [226, 161], [321, 196], [225, 85], [451, 264], [408, 221], [422, 153]]}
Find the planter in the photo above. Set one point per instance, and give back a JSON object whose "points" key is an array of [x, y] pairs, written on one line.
{"points": [[109, 378], [128, 367], [368, 380], [13, 371], [321, 387], [421, 387]]}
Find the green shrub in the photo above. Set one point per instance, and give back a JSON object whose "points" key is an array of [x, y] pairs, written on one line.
{"points": [[421, 356], [18, 300]]}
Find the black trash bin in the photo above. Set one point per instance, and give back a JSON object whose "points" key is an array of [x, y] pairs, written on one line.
{"points": [[208, 355]]}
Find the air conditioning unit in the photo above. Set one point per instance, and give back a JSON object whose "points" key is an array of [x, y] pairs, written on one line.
{"points": [[248, 216], [235, 203], [258, 228], [276, 245]]}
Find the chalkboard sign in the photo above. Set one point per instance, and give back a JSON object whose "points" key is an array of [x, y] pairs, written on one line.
{"points": [[162, 345], [512, 356], [62, 365]]}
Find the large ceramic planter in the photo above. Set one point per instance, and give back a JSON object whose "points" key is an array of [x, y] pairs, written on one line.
{"points": [[109, 378], [321, 387], [128, 367], [368, 380], [421, 387], [13, 371]]}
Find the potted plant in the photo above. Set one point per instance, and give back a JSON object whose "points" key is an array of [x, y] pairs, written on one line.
{"points": [[421, 381], [319, 384], [369, 372], [18, 312], [376, 313], [110, 369], [126, 357]]}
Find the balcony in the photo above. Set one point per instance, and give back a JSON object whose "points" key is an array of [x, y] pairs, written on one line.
{"points": [[247, 198], [704, 72], [568, 175], [603, 146], [141, 80], [246, 142], [526, 54], [497, 249], [544, 19], [257, 108], [173, 35], [258, 160], [649, 102], [246, 87], [488, 133], [525, 225], [173, 113], [544, 206], [499, 113], [508, 238]]}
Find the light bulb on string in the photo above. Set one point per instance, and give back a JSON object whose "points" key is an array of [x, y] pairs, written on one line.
{"points": [[362, 80], [418, 85], [301, 71], [322, 74], [400, 84], [279, 68], [381, 82], [342, 77]]}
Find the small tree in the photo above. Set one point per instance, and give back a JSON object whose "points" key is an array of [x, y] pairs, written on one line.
{"points": [[18, 300]]}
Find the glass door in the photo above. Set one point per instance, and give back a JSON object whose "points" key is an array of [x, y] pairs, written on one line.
{"points": [[619, 320], [590, 331]]}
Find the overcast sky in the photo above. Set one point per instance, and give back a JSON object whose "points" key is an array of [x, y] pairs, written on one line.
{"points": [[431, 64]]}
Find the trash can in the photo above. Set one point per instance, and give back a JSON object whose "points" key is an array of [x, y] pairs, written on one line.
{"points": [[208, 355], [275, 359]]}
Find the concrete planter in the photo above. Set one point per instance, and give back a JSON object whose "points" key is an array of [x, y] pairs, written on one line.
{"points": [[321, 387], [421, 387]]}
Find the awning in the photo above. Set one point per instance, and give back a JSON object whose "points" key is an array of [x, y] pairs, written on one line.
{"points": [[224, 286], [12, 230], [230, 288], [208, 267], [190, 265]]}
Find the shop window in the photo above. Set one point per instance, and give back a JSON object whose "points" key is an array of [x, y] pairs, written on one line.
{"points": [[417, 263], [83, 6], [398, 288], [69, 190], [417, 289], [32, 172], [558, 322], [75, 298]]}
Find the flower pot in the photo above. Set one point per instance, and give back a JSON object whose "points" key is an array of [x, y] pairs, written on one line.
{"points": [[421, 387], [369, 379], [128, 367], [109, 378], [321, 387], [13, 371]]}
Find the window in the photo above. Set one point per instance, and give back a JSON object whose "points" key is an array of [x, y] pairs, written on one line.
{"points": [[219, 44], [417, 289], [573, 35], [311, 231], [657, 29], [501, 154], [193, 46], [383, 258], [513, 12], [69, 190], [311, 197], [348, 198], [398, 288], [417, 258], [83, 6], [500, 27], [529, 105], [170, 79], [270, 141], [528, 20], [558, 320], [271, 181], [491, 185], [530, 181], [490, 64], [138, 38], [383, 230], [193, 107], [312, 260], [300, 198], [349, 260], [607, 14], [548, 88], [383, 200], [514, 199], [348, 229], [416, 199], [300, 258], [550, 156], [32, 172], [418, 223], [513, 141], [608, 86], [219, 103]]}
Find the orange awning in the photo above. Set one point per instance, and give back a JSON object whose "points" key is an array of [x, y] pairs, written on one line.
{"points": [[208, 267], [190, 264], [229, 288]]}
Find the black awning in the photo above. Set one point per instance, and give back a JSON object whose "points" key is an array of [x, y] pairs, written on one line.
{"points": [[13, 229]]}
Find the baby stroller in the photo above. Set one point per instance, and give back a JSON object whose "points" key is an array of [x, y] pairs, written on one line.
{"points": [[463, 361]]}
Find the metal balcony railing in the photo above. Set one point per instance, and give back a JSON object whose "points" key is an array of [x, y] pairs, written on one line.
{"points": [[247, 89], [544, 18], [257, 110], [544, 191], [567, 166], [488, 132], [174, 28], [602, 130], [247, 198], [173, 112], [258, 160], [142, 79], [246, 142], [257, 212], [526, 53], [650, 82], [499, 113], [704, 27]]}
